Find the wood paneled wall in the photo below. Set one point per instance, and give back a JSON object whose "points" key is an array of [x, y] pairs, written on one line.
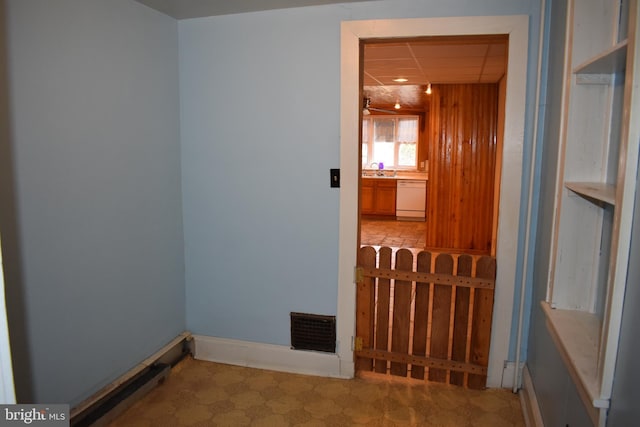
{"points": [[463, 122]]}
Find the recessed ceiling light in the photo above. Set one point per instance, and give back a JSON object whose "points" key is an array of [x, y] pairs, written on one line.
{"points": [[400, 80], [397, 106]]}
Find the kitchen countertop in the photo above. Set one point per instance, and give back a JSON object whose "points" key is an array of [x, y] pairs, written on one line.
{"points": [[419, 175]]}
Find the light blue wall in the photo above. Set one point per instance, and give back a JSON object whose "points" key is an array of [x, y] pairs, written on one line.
{"points": [[97, 165], [95, 124], [260, 96]]}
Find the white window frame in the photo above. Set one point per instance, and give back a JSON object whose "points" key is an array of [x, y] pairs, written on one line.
{"points": [[369, 143]]}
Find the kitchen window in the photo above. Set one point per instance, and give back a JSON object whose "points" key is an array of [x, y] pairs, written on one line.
{"points": [[392, 141]]}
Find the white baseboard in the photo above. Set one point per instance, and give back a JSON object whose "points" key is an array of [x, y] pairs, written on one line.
{"points": [[269, 356], [529, 401]]}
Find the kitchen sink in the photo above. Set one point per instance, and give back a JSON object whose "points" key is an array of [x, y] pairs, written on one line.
{"points": [[375, 173]]}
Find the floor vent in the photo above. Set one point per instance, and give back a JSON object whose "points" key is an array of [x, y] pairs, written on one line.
{"points": [[313, 332]]}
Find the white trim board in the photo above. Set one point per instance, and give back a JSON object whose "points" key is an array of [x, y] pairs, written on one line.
{"points": [[529, 401], [267, 356], [517, 27]]}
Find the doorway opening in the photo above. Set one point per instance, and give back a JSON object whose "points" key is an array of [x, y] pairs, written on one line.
{"points": [[351, 108], [451, 89], [429, 104]]}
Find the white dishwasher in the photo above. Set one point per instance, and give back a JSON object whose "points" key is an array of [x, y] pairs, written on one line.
{"points": [[411, 199]]}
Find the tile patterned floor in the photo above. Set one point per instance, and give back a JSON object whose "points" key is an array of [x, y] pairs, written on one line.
{"points": [[401, 234], [199, 394]]}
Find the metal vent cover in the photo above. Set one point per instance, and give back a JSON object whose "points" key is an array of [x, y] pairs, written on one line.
{"points": [[313, 332]]}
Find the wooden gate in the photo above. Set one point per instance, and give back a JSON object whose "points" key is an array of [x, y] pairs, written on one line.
{"points": [[425, 317]]}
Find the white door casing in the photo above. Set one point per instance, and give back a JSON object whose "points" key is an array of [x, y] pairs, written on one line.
{"points": [[352, 32]]}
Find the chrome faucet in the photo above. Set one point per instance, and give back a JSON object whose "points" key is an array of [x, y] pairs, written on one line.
{"points": [[374, 165]]}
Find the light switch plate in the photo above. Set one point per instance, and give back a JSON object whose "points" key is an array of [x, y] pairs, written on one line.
{"points": [[335, 178]]}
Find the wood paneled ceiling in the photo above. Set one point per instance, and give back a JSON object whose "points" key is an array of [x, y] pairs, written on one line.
{"points": [[435, 60]]}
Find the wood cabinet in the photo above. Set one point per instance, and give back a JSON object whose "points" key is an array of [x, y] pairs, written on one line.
{"points": [[367, 193], [378, 196], [597, 167]]}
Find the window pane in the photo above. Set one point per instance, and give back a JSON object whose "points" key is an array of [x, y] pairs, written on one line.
{"points": [[365, 142], [408, 130], [365, 130], [383, 152], [384, 133], [384, 130], [407, 155]]}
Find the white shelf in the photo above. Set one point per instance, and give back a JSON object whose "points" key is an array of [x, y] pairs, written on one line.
{"points": [[591, 234], [611, 61], [595, 190], [577, 335]]}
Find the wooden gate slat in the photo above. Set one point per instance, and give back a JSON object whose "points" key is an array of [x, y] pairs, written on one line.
{"points": [[401, 312], [461, 319], [421, 314], [383, 310], [440, 318], [481, 326], [430, 362], [365, 306]]}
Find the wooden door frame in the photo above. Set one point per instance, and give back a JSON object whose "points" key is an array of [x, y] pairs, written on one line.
{"points": [[517, 27]]}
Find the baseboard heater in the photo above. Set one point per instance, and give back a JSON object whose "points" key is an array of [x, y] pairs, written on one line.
{"points": [[106, 405], [114, 404]]}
